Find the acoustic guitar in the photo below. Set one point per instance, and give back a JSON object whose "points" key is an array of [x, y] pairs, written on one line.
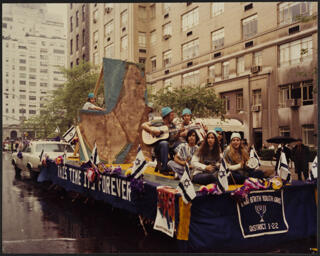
{"points": [[150, 139]]}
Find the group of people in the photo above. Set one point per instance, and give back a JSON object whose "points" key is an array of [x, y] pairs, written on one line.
{"points": [[201, 149]]}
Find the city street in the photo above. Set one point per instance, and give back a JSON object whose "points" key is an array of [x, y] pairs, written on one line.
{"points": [[38, 220]]}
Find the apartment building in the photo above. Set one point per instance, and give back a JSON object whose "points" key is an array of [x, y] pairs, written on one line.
{"points": [[257, 56], [33, 49], [78, 33]]}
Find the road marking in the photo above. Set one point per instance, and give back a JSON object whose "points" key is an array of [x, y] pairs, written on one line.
{"points": [[40, 240]]}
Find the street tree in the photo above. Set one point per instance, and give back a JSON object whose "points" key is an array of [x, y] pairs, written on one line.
{"points": [[202, 101]]}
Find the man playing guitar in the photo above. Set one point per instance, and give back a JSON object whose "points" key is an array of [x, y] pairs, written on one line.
{"points": [[187, 125], [166, 146]]}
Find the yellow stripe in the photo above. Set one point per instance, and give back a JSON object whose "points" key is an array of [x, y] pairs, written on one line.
{"points": [[184, 220]]}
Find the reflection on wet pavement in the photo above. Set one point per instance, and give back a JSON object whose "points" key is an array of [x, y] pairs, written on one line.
{"points": [[36, 220]]}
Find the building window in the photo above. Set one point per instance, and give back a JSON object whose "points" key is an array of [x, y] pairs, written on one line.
{"points": [[71, 64], [291, 11], [83, 37], [71, 44], [71, 26], [142, 13], [83, 12], [217, 8], [256, 97], [167, 29], [109, 51], [296, 52], [301, 90], [124, 18], [32, 97], [153, 37], [95, 16], [239, 102], [77, 42], [211, 72], [153, 11], [108, 29], [153, 63], [191, 78], [124, 43], [257, 58], [217, 39], [226, 100], [96, 58], [142, 39], [77, 18], [165, 7], [308, 137], [190, 19], [190, 50], [284, 131], [250, 27], [95, 37], [225, 70], [77, 61], [240, 65], [167, 55]]}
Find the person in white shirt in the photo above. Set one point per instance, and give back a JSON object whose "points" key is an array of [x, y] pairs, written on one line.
{"points": [[89, 105]]}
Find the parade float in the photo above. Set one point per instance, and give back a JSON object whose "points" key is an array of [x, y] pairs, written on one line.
{"points": [[113, 167]]}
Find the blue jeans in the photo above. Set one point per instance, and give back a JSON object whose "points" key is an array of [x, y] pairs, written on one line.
{"points": [[162, 150]]}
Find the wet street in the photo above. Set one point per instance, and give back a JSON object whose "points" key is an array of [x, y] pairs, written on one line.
{"points": [[37, 218]]}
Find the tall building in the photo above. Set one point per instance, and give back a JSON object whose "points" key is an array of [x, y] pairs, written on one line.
{"points": [[78, 33], [259, 57], [33, 49]]}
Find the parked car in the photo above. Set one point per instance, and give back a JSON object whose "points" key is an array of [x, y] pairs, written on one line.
{"points": [[31, 152]]}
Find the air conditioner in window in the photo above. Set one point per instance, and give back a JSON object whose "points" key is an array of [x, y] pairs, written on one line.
{"points": [[210, 81], [166, 36], [255, 108], [293, 103], [255, 69]]}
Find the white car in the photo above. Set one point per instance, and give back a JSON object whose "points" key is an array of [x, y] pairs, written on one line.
{"points": [[31, 154]]}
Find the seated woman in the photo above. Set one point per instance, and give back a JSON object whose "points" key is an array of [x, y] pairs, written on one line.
{"points": [[206, 160], [236, 157], [89, 105], [184, 153]]}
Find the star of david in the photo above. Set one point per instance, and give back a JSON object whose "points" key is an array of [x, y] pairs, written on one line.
{"points": [[222, 174], [138, 161], [186, 183], [315, 165]]}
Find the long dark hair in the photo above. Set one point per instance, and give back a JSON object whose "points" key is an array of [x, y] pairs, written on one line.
{"points": [[204, 149], [190, 133]]}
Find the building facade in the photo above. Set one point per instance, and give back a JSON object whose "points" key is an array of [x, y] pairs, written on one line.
{"points": [[261, 62], [33, 49]]}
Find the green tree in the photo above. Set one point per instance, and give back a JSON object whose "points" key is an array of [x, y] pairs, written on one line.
{"points": [[61, 110], [202, 101]]}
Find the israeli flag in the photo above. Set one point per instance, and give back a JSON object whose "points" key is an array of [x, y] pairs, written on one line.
{"points": [[185, 186], [69, 134], [254, 154], [139, 165], [283, 168], [314, 169], [57, 130], [94, 158], [223, 174]]}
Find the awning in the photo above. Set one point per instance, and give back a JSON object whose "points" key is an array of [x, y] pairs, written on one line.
{"points": [[228, 125]]}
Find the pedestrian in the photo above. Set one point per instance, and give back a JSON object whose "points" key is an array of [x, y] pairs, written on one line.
{"points": [[89, 105], [206, 161], [284, 148], [221, 138], [300, 156]]}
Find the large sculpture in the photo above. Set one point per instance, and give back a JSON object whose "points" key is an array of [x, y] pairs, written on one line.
{"points": [[117, 131]]}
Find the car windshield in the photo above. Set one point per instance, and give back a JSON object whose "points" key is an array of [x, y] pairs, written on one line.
{"points": [[53, 147]]}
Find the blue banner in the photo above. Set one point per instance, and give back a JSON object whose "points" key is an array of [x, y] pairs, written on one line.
{"points": [[262, 213]]}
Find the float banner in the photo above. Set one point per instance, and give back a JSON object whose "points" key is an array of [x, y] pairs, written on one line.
{"points": [[165, 219], [262, 213]]}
